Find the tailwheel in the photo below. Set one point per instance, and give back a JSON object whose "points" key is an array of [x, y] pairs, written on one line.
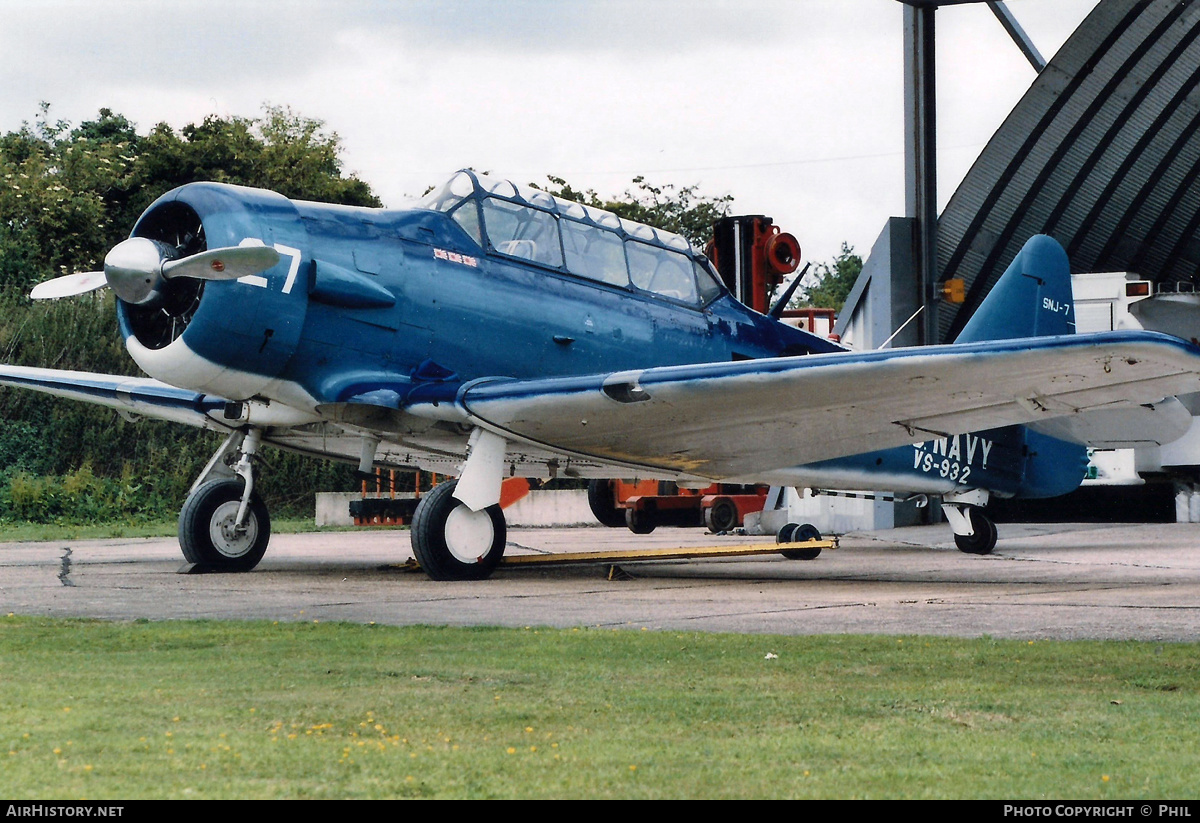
{"points": [[794, 533], [451, 542], [983, 541], [209, 532]]}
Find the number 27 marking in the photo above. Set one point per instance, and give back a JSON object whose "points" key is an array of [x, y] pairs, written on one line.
{"points": [[293, 268]]}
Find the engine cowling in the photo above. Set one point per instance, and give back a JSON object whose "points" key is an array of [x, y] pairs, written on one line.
{"points": [[226, 337]]}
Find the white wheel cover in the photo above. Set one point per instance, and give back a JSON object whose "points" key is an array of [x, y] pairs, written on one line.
{"points": [[469, 535], [230, 543]]}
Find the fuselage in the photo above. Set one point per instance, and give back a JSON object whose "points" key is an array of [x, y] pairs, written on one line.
{"points": [[480, 279], [371, 299]]}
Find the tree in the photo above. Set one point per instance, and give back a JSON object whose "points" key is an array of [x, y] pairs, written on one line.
{"points": [[67, 196], [830, 283]]}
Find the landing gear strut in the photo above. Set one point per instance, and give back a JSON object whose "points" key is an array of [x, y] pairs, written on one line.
{"points": [[974, 531], [451, 542], [224, 525]]}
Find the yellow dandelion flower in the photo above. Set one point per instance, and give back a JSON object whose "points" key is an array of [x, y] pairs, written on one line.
{"points": [[632, 768], [1104, 777], [511, 750]]}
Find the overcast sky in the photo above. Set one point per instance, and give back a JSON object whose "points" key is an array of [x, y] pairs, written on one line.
{"points": [[794, 107]]}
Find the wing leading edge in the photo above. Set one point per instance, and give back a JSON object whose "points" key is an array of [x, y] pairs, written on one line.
{"points": [[740, 419], [131, 395]]}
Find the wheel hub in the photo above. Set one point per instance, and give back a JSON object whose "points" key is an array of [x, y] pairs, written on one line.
{"points": [[228, 538], [469, 535]]}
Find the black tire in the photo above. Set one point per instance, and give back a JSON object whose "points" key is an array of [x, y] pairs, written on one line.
{"points": [[784, 535], [451, 542], [983, 541], [722, 515], [205, 533], [640, 521], [806, 531], [604, 505]]}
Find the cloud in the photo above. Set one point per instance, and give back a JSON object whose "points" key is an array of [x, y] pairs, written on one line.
{"points": [[794, 108]]}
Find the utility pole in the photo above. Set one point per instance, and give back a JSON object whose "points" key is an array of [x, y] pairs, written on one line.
{"points": [[920, 141]]}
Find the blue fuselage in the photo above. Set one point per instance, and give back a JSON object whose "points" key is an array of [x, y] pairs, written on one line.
{"points": [[368, 300]]}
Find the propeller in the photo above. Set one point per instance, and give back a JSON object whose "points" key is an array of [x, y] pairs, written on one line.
{"points": [[136, 270]]}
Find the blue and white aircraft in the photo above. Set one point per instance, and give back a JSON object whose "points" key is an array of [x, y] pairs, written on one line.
{"points": [[491, 330]]}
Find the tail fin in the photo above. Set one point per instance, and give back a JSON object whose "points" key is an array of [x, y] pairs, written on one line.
{"points": [[1032, 298]]}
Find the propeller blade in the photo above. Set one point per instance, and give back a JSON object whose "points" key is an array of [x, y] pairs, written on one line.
{"points": [[69, 285], [228, 263]]}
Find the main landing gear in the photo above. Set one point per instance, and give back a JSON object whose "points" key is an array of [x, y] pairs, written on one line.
{"points": [[224, 525], [974, 531], [451, 542]]}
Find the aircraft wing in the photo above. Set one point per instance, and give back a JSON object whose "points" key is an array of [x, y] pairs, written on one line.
{"points": [[738, 420], [138, 396]]}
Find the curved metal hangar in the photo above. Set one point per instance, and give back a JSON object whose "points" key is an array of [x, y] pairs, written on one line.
{"points": [[1102, 153]]}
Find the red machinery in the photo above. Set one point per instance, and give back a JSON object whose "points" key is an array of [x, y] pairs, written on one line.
{"points": [[753, 256], [642, 505]]}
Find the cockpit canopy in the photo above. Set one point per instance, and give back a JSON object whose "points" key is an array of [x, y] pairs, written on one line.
{"points": [[529, 224]]}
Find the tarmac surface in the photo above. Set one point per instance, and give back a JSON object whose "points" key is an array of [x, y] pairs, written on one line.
{"points": [[1076, 581]]}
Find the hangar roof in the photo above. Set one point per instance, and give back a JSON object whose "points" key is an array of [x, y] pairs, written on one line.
{"points": [[1102, 153]]}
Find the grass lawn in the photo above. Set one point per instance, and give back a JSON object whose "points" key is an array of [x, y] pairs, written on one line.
{"points": [[192, 709]]}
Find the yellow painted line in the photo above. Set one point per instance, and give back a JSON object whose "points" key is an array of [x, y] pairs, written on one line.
{"points": [[682, 552]]}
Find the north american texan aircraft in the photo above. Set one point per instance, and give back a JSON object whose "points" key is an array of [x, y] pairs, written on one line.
{"points": [[491, 330]]}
